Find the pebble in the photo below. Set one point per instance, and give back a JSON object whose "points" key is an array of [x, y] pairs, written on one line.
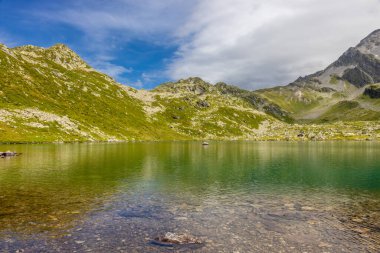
{"points": [[307, 208], [361, 230], [180, 218], [324, 245], [357, 220]]}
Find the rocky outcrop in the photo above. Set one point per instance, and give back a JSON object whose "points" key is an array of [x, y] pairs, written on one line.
{"points": [[59, 54], [256, 100], [371, 44], [193, 85], [357, 77], [366, 68], [266, 106], [372, 91], [203, 103]]}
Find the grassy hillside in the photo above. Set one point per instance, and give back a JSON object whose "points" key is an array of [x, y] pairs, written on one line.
{"points": [[321, 104], [52, 95], [336, 93], [196, 108], [348, 111]]}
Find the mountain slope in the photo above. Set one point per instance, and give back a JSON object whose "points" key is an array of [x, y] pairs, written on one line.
{"points": [[344, 81], [52, 95], [196, 108]]}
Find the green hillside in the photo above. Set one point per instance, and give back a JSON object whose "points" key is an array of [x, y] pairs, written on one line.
{"points": [[52, 95], [346, 90]]}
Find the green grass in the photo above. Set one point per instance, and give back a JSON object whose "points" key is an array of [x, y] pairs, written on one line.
{"points": [[288, 99], [334, 79], [103, 110], [112, 110], [348, 111]]}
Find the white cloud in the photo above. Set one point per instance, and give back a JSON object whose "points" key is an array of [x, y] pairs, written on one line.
{"points": [[113, 70], [122, 20], [256, 43], [250, 43]]}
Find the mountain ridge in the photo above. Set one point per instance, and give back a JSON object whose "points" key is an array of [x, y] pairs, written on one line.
{"points": [[52, 95], [344, 81]]}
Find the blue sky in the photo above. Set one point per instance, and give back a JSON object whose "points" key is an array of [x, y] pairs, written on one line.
{"points": [[249, 43], [136, 58]]}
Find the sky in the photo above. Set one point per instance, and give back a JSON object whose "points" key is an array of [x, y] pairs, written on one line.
{"points": [[249, 43]]}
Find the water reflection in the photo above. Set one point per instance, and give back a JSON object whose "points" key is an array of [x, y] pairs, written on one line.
{"points": [[242, 189]]}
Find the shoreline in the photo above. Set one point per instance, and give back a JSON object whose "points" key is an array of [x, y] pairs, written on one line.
{"points": [[186, 140]]}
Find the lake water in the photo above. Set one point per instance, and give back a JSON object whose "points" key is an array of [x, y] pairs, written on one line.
{"points": [[234, 196]]}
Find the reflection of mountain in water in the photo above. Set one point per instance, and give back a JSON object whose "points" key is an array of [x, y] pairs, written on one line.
{"points": [[51, 186], [265, 164]]}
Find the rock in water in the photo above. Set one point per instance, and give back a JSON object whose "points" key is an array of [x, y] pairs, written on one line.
{"points": [[173, 238], [8, 154], [205, 143]]}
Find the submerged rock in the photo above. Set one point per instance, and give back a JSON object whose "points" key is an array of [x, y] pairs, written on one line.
{"points": [[172, 238]]}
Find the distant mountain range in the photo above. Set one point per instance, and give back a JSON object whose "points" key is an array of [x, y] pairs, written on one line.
{"points": [[346, 90], [52, 95]]}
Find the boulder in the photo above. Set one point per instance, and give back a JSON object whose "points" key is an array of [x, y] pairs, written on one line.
{"points": [[203, 103], [8, 154]]}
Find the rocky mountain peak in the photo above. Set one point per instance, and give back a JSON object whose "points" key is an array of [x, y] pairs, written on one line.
{"points": [[371, 44], [61, 46], [194, 85], [64, 56], [59, 53], [193, 81], [359, 66]]}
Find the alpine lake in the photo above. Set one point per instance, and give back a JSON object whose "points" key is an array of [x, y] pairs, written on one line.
{"points": [[233, 196]]}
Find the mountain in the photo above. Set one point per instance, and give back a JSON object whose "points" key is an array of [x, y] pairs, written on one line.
{"points": [[52, 95], [337, 92]]}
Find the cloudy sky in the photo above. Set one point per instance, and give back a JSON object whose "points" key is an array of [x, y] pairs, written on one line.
{"points": [[249, 43]]}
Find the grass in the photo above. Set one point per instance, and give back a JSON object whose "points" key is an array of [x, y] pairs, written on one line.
{"points": [[334, 79], [348, 111], [102, 109], [290, 101]]}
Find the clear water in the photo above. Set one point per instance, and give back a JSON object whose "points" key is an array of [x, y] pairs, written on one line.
{"points": [[235, 196]]}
